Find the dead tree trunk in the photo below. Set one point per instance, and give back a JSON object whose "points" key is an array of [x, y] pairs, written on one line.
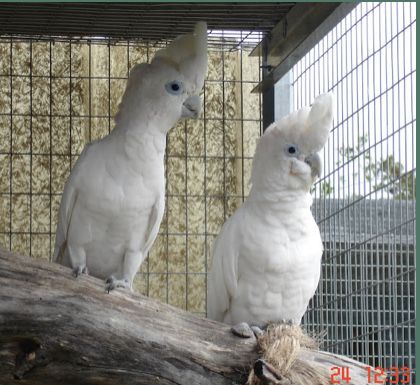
{"points": [[55, 329]]}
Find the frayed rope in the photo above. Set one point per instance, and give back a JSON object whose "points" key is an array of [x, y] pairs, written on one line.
{"points": [[279, 346]]}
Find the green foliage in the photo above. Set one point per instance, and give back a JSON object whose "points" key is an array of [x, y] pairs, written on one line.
{"points": [[326, 189], [385, 173]]}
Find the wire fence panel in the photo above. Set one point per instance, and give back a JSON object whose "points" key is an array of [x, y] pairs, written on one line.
{"points": [[58, 94], [365, 201]]}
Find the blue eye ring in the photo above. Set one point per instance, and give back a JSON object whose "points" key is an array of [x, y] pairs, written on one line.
{"points": [[174, 87], [292, 150]]}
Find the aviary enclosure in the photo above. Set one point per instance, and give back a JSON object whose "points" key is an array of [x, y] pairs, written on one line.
{"points": [[61, 80]]}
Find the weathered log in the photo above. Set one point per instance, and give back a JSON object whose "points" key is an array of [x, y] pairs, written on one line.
{"points": [[55, 329]]}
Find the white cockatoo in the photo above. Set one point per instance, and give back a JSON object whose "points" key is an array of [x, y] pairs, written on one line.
{"points": [[266, 259], [113, 200]]}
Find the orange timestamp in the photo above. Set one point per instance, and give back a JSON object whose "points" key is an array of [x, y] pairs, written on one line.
{"points": [[377, 375]]}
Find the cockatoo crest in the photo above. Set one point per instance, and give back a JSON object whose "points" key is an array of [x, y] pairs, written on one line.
{"points": [[309, 125], [188, 54], [182, 64], [290, 145]]}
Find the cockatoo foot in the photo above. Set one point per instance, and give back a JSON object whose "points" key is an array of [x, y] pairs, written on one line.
{"points": [[246, 331], [243, 330], [80, 270], [258, 332], [112, 283], [289, 322]]}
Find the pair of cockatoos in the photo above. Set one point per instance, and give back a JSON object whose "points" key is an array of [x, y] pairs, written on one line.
{"points": [[113, 200], [266, 259]]}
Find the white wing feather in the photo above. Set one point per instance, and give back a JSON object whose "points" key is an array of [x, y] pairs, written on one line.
{"points": [[67, 205], [223, 279], [154, 223]]}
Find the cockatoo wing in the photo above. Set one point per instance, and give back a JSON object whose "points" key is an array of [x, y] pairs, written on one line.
{"points": [[223, 279], [68, 203], [155, 219]]}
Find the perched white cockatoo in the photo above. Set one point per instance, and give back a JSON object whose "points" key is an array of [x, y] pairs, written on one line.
{"points": [[266, 259], [113, 200]]}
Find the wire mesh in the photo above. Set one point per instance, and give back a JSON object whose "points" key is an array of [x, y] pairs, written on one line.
{"points": [[365, 202], [56, 95], [153, 22]]}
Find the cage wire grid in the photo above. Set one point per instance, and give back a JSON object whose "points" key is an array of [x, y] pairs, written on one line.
{"points": [[60, 94], [154, 22], [365, 299], [365, 201]]}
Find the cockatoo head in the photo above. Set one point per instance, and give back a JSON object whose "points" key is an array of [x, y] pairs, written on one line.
{"points": [[287, 154], [169, 87]]}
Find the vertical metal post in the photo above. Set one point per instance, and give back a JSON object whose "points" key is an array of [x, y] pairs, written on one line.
{"points": [[241, 53], [51, 142], [90, 91], [31, 64], [187, 254], [109, 85], [11, 143], [206, 248], [70, 104], [224, 130], [268, 96], [268, 108]]}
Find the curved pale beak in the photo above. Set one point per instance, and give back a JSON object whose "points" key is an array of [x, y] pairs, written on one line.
{"points": [[191, 107], [314, 162]]}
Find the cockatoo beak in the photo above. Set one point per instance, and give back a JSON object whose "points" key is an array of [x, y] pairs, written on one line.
{"points": [[314, 162], [191, 107]]}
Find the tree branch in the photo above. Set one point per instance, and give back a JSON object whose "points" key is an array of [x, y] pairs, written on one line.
{"points": [[55, 329]]}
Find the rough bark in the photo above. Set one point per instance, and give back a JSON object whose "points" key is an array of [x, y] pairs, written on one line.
{"points": [[55, 329]]}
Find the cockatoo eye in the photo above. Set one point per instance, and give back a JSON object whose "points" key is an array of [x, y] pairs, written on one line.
{"points": [[292, 150], [174, 87]]}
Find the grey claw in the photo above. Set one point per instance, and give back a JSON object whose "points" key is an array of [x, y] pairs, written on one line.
{"points": [[112, 283], [257, 331], [110, 279], [287, 322], [242, 330], [80, 270]]}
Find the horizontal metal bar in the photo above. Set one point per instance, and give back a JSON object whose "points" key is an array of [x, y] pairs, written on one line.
{"points": [[162, 234], [370, 239], [295, 36], [360, 154], [106, 78], [365, 60], [160, 22], [375, 331], [374, 284]]}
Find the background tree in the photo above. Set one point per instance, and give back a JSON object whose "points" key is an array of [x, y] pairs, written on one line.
{"points": [[383, 173]]}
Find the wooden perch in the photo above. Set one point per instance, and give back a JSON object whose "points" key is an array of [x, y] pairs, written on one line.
{"points": [[55, 329]]}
